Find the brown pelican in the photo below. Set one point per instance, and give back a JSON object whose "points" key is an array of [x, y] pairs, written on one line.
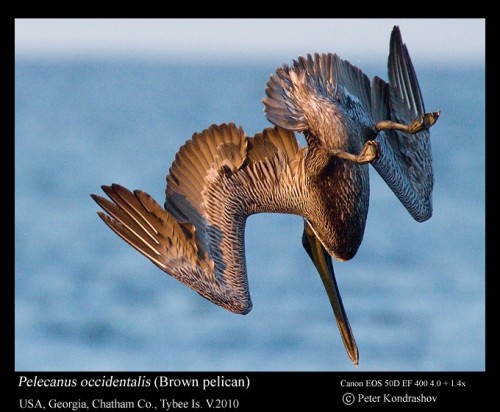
{"points": [[220, 177]]}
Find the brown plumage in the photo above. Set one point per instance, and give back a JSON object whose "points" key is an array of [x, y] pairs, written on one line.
{"points": [[220, 177]]}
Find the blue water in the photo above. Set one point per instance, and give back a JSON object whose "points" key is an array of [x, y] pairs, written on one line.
{"points": [[85, 300]]}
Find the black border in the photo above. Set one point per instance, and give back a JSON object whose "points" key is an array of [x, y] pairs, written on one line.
{"points": [[7, 63], [275, 390], [310, 391]]}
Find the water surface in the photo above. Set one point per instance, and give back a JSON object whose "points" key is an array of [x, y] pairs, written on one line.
{"points": [[85, 300]]}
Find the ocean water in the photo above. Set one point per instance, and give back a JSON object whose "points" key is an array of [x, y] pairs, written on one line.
{"points": [[85, 300]]}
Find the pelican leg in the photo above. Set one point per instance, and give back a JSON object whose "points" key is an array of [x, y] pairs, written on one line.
{"points": [[368, 154], [425, 122], [323, 262]]}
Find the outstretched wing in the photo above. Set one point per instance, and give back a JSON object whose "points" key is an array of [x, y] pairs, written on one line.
{"points": [[218, 178], [169, 244], [405, 161]]}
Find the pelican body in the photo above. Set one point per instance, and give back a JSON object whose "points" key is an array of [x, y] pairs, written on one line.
{"points": [[220, 177]]}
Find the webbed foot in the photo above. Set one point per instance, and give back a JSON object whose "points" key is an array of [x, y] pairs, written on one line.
{"points": [[418, 125], [368, 154]]}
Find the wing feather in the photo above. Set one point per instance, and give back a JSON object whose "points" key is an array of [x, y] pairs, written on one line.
{"points": [[218, 178], [405, 160], [299, 96]]}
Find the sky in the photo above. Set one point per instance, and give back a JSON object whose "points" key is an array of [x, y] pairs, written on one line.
{"points": [[456, 41]]}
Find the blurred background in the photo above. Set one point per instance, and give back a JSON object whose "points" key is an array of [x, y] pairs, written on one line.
{"points": [[111, 101]]}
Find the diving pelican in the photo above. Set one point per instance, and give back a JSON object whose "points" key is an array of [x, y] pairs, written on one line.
{"points": [[220, 177]]}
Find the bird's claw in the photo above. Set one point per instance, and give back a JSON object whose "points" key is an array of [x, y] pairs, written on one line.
{"points": [[418, 125], [425, 122], [368, 154]]}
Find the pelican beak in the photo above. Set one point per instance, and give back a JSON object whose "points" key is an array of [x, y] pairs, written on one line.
{"points": [[323, 262]]}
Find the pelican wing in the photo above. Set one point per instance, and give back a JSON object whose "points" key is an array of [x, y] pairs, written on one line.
{"points": [[218, 178], [405, 160]]}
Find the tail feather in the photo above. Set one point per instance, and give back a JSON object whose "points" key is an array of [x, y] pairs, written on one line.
{"points": [[279, 108], [294, 93]]}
